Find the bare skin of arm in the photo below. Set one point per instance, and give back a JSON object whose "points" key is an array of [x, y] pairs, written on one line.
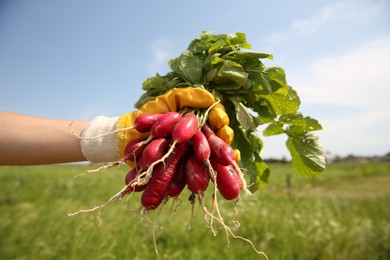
{"points": [[30, 140]]}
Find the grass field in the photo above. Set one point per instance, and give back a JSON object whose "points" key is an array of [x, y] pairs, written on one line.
{"points": [[342, 214]]}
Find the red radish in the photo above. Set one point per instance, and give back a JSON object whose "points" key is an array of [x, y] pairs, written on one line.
{"points": [[207, 131], [223, 154], [228, 182], [179, 182], [153, 152], [163, 173], [197, 175], [133, 150], [185, 129], [182, 132], [221, 151], [130, 177], [201, 146], [143, 123], [202, 151], [164, 125]]}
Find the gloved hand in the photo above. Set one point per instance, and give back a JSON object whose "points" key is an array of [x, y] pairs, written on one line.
{"points": [[108, 148]]}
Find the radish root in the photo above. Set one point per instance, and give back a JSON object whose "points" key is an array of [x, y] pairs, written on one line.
{"points": [[228, 230]]}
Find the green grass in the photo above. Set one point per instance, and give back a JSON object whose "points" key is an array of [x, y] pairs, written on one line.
{"points": [[342, 214]]}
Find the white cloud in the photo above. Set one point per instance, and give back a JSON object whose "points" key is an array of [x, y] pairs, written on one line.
{"points": [[304, 26], [339, 20], [357, 134], [161, 53], [318, 20], [359, 78]]}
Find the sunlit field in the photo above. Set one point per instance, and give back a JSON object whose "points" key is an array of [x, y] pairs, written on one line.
{"points": [[342, 214]]}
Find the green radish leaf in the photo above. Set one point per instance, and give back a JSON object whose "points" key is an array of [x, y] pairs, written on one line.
{"points": [[211, 75], [276, 76], [262, 84], [292, 119], [238, 39], [188, 66], [312, 124], [243, 57], [260, 176], [301, 125], [156, 84], [143, 99], [243, 116], [283, 101], [227, 87], [231, 72], [307, 154], [212, 61], [217, 45], [273, 129], [250, 146]]}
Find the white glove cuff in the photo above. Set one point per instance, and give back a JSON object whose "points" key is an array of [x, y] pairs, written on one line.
{"points": [[103, 148]]}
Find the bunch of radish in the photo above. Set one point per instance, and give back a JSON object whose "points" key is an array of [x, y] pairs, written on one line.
{"points": [[181, 150]]}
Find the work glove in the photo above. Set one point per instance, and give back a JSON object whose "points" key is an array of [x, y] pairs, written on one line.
{"points": [[110, 147]]}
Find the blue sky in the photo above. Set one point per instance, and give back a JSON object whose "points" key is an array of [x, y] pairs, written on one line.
{"points": [[79, 59]]}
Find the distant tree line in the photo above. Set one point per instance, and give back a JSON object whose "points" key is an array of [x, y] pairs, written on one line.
{"points": [[359, 158]]}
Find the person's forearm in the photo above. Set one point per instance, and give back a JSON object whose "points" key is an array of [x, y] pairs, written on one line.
{"points": [[28, 140]]}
